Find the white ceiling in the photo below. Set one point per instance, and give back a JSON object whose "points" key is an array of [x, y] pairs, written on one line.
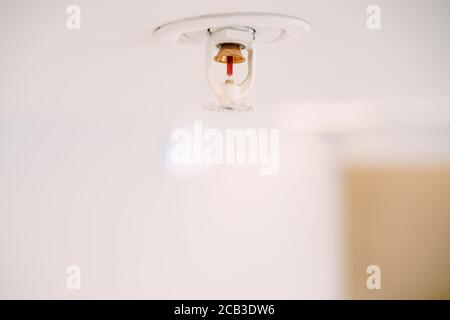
{"points": [[85, 115], [113, 64]]}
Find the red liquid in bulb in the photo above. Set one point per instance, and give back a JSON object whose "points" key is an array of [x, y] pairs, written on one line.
{"points": [[229, 66]]}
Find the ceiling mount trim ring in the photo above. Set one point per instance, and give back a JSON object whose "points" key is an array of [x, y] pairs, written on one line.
{"points": [[269, 28]]}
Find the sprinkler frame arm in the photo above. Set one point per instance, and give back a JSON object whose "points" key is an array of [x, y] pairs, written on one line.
{"points": [[228, 92]]}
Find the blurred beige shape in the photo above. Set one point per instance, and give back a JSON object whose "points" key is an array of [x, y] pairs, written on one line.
{"points": [[399, 219]]}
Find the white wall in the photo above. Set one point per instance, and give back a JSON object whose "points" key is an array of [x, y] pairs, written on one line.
{"points": [[76, 193]]}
